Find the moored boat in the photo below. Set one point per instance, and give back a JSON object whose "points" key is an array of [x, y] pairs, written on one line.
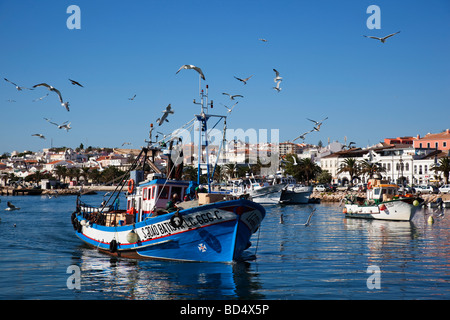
{"points": [[296, 194], [383, 202]]}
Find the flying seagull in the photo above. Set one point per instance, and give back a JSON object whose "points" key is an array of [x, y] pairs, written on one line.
{"points": [[317, 123], [64, 125], [295, 161], [39, 135], [308, 221], [11, 100], [278, 87], [232, 96], [51, 88], [17, 86], [166, 112], [190, 66], [229, 109], [262, 39], [11, 207], [126, 143], [277, 76], [384, 38], [76, 83], [132, 98], [303, 135], [244, 80], [38, 99]]}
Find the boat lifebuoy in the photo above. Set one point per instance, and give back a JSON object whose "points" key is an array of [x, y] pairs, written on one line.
{"points": [[369, 185], [176, 220], [113, 246], [130, 186]]}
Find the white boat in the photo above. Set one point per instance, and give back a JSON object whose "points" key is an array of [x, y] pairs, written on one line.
{"points": [[296, 194], [259, 191], [383, 202]]}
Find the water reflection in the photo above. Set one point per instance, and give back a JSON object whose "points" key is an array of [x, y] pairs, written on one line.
{"points": [[166, 280]]}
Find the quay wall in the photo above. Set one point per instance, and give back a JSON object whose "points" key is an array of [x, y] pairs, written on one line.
{"points": [[339, 195]]}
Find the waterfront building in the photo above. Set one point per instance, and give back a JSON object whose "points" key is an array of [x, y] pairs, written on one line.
{"points": [[439, 141]]}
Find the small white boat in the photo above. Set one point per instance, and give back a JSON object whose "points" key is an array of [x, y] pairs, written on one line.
{"points": [[259, 191], [383, 202]]}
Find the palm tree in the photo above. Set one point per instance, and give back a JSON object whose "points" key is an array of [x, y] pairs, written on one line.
{"points": [[85, 173], [444, 167], [61, 171], [350, 165], [230, 169], [218, 173], [309, 169], [371, 168], [189, 173]]}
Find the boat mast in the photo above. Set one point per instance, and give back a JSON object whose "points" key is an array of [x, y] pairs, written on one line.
{"points": [[202, 119]]}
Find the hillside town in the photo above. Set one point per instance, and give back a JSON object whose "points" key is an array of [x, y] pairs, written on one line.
{"points": [[407, 161]]}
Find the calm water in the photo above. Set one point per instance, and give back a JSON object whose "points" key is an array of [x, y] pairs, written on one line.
{"points": [[327, 260]]}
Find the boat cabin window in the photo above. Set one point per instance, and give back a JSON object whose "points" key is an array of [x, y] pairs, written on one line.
{"points": [[164, 193], [176, 190], [146, 193]]}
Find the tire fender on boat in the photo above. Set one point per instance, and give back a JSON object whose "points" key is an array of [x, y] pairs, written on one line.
{"points": [[176, 220], [113, 246]]}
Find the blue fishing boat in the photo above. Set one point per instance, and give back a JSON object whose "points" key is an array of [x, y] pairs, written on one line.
{"points": [[210, 227]]}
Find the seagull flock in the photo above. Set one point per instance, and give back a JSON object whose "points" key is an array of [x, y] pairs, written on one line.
{"points": [[65, 104], [66, 125]]}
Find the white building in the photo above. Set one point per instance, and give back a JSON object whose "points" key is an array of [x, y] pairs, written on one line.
{"points": [[402, 164]]}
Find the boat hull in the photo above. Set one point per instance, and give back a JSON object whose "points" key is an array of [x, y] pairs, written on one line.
{"points": [[296, 195], [267, 195], [397, 210], [217, 232]]}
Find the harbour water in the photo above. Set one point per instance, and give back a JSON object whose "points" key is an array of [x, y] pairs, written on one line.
{"points": [[333, 258]]}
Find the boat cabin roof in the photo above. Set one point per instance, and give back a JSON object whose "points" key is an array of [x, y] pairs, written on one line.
{"points": [[164, 181]]}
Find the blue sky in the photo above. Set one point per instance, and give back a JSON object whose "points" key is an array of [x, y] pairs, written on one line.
{"points": [[368, 90]]}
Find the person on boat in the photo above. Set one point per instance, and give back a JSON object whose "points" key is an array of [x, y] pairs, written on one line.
{"points": [[200, 189], [171, 205]]}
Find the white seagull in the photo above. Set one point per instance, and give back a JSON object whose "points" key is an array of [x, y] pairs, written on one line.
{"points": [[11, 207], [317, 123], [132, 98], [278, 87], [64, 125], [277, 76], [382, 39], [38, 99], [262, 39], [17, 86], [229, 109], [38, 135], [232, 96], [190, 66], [166, 112], [308, 221], [303, 135], [51, 88], [295, 161], [244, 80]]}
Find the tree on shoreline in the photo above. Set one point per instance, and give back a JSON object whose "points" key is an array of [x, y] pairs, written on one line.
{"points": [[350, 165], [444, 167]]}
